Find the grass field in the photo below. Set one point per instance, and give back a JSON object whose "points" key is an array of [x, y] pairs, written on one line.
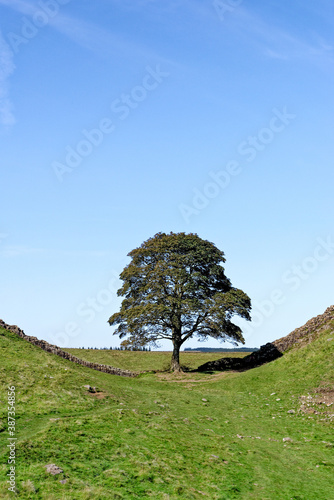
{"points": [[164, 436], [147, 361]]}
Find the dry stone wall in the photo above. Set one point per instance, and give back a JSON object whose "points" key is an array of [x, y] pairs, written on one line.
{"points": [[307, 333], [53, 349], [270, 351], [273, 350]]}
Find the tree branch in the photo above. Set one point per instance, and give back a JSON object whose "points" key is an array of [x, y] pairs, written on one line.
{"points": [[160, 336], [194, 328]]}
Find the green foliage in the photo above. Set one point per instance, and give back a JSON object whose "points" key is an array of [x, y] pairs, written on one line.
{"points": [[175, 287]]}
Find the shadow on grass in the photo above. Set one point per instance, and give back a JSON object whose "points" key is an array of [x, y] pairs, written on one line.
{"points": [[265, 354]]}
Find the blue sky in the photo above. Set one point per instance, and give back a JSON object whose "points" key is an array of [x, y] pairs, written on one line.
{"points": [[120, 119]]}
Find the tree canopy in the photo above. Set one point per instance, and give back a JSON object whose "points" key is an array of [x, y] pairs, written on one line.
{"points": [[175, 288]]}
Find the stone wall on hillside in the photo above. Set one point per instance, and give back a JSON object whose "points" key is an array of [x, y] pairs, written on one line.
{"points": [[306, 333], [53, 349], [273, 350]]}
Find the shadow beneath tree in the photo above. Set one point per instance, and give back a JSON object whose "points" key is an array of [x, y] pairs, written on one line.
{"points": [[265, 354]]}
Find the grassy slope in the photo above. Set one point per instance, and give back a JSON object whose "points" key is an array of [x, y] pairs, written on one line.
{"points": [[154, 437]]}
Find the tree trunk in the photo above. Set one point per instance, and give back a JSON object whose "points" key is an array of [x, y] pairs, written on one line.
{"points": [[175, 363]]}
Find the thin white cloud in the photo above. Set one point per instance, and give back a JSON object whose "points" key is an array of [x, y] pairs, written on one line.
{"points": [[278, 43], [97, 39], [10, 251], [19, 251], [275, 55], [86, 34], [6, 69], [21, 6], [274, 42]]}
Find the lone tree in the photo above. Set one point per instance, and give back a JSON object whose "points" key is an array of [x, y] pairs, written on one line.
{"points": [[175, 288]]}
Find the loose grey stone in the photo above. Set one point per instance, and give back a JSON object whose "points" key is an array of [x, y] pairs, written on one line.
{"points": [[53, 469]]}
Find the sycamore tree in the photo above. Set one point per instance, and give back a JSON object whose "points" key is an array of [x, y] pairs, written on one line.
{"points": [[175, 288]]}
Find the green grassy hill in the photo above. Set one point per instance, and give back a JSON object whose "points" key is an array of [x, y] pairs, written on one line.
{"points": [[165, 436]]}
